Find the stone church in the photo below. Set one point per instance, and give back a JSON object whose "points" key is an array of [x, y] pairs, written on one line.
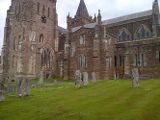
{"points": [[105, 49], [110, 49]]}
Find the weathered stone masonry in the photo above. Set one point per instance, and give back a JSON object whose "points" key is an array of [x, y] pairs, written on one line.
{"points": [[105, 49], [113, 47]]}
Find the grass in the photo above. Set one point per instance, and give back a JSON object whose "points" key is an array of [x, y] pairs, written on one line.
{"points": [[104, 100]]}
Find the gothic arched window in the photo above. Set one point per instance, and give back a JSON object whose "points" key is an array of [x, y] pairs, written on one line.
{"points": [[142, 33], [124, 35], [83, 61], [47, 58]]}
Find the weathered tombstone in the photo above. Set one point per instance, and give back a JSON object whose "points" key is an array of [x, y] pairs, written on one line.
{"points": [[11, 87], [93, 76], [78, 78], [27, 87], [41, 78], [23, 87], [20, 82], [135, 78], [85, 78], [55, 82], [2, 97]]}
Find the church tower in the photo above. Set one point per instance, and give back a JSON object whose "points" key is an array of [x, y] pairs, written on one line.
{"points": [[81, 18], [31, 38]]}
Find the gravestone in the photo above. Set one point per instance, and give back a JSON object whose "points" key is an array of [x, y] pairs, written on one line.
{"points": [[41, 79], [55, 82], [23, 87], [78, 79], [93, 76], [27, 87], [11, 87], [2, 97], [135, 78], [85, 78]]}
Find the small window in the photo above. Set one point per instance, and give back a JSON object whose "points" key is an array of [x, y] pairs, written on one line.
{"points": [[136, 60], [48, 12], [14, 43], [141, 59], [38, 8], [83, 61], [41, 38], [108, 62], [43, 10], [82, 40], [13, 61], [120, 61], [115, 61]]}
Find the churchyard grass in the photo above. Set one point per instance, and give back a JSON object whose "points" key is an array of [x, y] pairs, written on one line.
{"points": [[103, 100]]}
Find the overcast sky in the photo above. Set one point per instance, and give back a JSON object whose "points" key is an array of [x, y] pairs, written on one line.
{"points": [[109, 9]]}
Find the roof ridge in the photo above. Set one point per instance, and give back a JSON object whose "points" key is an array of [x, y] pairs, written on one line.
{"points": [[129, 16]]}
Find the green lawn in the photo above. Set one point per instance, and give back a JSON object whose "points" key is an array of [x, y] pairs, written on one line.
{"points": [[104, 100]]}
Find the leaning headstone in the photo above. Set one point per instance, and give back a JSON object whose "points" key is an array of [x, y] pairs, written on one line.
{"points": [[78, 79], [41, 78], [85, 78], [135, 78], [93, 76]]}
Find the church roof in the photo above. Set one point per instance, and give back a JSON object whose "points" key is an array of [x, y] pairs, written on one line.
{"points": [[62, 30], [89, 26], [117, 20], [128, 17], [82, 10]]}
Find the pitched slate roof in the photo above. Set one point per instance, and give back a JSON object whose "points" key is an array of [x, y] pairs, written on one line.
{"points": [[128, 17], [76, 28], [90, 25], [82, 10], [117, 20], [62, 30]]}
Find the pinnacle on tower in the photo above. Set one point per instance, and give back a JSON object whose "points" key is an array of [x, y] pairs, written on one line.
{"points": [[82, 10], [155, 2]]}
